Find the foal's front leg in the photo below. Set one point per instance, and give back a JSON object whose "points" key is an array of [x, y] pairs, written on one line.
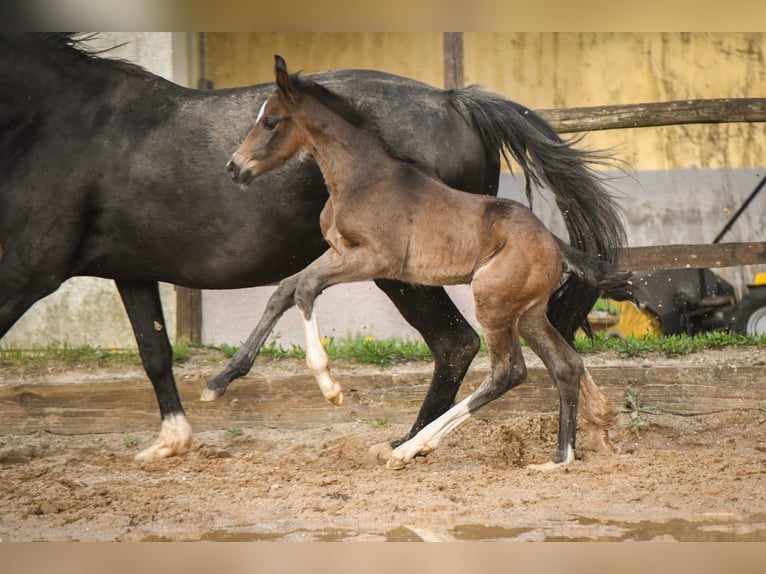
{"points": [[332, 268]]}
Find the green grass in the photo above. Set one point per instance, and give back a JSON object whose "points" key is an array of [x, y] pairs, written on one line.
{"points": [[69, 356], [671, 345], [361, 349], [635, 408], [381, 352]]}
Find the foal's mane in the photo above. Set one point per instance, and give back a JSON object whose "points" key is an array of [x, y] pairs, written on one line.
{"points": [[350, 112]]}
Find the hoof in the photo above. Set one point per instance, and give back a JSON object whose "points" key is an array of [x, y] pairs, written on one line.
{"points": [[174, 440], [395, 464], [567, 458], [546, 467], [379, 453], [209, 395], [337, 400]]}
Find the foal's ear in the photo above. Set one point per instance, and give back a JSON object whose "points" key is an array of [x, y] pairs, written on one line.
{"points": [[283, 79]]}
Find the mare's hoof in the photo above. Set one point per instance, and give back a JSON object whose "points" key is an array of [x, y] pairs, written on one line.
{"points": [[174, 440], [209, 395]]}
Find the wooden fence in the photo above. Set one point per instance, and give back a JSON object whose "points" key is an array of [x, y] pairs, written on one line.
{"points": [[726, 110]]}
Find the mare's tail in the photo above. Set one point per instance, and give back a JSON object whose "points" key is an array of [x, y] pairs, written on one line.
{"points": [[602, 275], [590, 213]]}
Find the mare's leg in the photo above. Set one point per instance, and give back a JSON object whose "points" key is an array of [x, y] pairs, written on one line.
{"points": [[568, 372], [142, 302], [451, 339], [507, 371], [242, 361]]}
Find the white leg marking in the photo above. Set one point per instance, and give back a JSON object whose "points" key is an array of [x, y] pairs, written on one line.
{"points": [[550, 465], [174, 440], [316, 359], [430, 436]]}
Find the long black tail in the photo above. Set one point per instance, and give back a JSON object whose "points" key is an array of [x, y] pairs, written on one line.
{"points": [[602, 275], [590, 212]]}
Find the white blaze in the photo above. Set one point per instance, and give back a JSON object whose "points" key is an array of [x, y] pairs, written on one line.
{"points": [[260, 112]]}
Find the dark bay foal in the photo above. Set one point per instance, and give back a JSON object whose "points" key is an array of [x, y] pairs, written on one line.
{"points": [[388, 218]]}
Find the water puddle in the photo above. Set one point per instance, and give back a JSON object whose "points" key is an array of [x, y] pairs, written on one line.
{"points": [[577, 530]]}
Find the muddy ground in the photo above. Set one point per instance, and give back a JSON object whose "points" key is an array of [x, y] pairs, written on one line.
{"points": [[272, 461]]}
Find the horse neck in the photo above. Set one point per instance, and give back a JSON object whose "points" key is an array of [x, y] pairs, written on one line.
{"points": [[344, 152]]}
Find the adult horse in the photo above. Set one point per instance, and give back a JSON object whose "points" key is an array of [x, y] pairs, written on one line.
{"points": [[109, 171]]}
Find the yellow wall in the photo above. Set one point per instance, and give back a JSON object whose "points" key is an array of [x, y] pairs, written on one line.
{"points": [[557, 70], [549, 70], [235, 59]]}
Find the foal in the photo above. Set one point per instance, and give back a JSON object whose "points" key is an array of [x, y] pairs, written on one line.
{"points": [[377, 228]]}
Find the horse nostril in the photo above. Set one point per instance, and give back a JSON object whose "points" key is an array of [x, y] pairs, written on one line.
{"points": [[233, 169]]}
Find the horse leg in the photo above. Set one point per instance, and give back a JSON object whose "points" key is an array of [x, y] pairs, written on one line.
{"points": [[144, 308], [568, 372], [331, 268], [242, 361], [507, 371], [451, 339]]}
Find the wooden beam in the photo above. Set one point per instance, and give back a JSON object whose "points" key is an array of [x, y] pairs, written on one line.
{"points": [[692, 256], [712, 111], [453, 60]]}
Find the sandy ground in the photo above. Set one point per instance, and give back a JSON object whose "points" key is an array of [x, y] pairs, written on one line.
{"points": [[699, 476]]}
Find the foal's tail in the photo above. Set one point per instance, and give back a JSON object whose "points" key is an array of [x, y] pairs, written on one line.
{"points": [[590, 213]]}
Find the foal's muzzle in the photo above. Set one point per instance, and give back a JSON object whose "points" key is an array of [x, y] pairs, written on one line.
{"points": [[233, 169], [237, 174]]}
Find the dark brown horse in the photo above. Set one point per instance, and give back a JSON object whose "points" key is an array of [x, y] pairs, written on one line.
{"points": [[388, 218]]}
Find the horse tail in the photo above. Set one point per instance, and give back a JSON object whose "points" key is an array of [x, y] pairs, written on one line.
{"points": [[591, 215], [602, 275]]}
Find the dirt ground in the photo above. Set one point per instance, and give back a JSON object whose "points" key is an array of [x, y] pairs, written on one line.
{"points": [[695, 475]]}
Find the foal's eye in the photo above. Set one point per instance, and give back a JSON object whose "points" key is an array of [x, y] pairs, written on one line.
{"points": [[270, 122]]}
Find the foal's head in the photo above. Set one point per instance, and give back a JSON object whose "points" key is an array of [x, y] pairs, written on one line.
{"points": [[274, 138]]}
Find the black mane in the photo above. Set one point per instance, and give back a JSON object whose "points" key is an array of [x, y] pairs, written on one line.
{"points": [[75, 45], [351, 113]]}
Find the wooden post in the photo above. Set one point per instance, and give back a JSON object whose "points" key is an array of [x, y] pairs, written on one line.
{"points": [[188, 315], [189, 301], [453, 60]]}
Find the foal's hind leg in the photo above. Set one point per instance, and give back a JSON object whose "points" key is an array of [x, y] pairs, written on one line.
{"points": [[568, 372], [507, 371]]}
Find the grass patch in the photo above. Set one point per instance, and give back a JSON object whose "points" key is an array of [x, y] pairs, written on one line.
{"points": [[670, 345], [381, 352], [634, 408], [130, 442], [362, 349], [379, 422], [67, 356]]}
